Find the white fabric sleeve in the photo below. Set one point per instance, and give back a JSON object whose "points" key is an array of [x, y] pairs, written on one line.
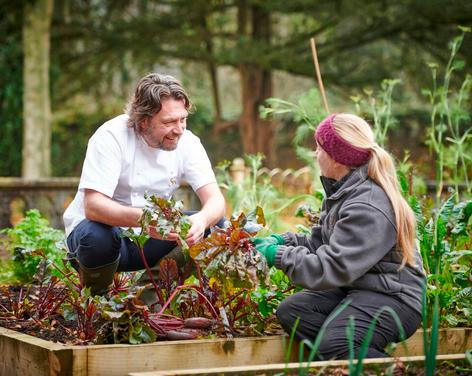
{"points": [[102, 164], [197, 166]]}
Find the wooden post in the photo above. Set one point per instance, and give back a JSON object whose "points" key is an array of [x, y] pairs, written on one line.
{"points": [[238, 170], [318, 74]]}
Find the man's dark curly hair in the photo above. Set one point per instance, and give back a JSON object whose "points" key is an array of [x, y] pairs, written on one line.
{"points": [[148, 96]]}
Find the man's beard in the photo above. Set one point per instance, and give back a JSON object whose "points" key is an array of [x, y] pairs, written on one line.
{"points": [[167, 148], [147, 136]]}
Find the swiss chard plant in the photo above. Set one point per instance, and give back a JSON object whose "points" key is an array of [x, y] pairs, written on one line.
{"points": [[125, 316], [228, 257], [166, 216], [171, 290], [237, 275]]}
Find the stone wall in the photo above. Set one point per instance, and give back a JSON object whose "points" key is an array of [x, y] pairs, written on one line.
{"points": [[51, 196]]}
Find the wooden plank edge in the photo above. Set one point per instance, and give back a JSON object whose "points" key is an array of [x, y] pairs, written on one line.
{"points": [[452, 340], [115, 361], [291, 366], [461, 337], [203, 341], [26, 355], [22, 337]]}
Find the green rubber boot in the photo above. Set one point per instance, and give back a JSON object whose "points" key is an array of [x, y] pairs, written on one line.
{"points": [[100, 278]]}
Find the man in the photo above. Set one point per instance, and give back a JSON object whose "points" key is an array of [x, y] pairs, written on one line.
{"points": [[146, 150]]}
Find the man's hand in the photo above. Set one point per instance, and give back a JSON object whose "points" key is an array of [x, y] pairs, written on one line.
{"points": [[153, 233], [195, 234], [197, 231]]}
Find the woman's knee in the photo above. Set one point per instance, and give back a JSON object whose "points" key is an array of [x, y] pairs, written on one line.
{"points": [[335, 342], [334, 345], [287, 313], [328, 350], [332, 349]]}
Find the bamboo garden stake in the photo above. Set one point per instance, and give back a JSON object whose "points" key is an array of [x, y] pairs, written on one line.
{"points": [[318, 74]]}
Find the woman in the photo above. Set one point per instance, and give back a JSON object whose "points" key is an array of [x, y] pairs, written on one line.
{"points": [[362, 250]]}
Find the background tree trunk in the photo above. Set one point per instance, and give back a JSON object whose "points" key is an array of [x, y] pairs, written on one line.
{"points": [[36, 98], [257, 135]]}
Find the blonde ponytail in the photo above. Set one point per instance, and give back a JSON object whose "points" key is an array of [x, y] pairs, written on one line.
{"points": [[381, 170]]}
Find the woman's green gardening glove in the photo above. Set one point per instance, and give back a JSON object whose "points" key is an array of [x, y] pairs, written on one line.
{"points": [[268, 246], [268, 251], [272, 239]]}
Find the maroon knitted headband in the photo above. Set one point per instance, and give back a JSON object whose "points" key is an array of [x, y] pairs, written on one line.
{"points": [[337, 148]]}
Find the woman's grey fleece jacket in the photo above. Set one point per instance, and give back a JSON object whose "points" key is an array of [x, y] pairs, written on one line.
{"points": [[353, 246]]}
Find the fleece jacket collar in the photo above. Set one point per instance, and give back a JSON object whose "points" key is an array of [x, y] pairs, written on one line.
{"points": [[347, 184]]}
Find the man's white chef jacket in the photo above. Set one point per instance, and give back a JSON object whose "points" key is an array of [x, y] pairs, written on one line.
{"points": [[122, 166]]}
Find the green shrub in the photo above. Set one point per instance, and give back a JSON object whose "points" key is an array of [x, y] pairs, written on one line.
{"points": [[33, 233]]}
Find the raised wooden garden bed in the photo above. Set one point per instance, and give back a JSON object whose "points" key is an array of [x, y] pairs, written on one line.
{"points": [[326, 367], [24, 355]]}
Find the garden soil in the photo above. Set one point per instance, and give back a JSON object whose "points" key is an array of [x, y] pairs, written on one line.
{"points": [[54, 328]]}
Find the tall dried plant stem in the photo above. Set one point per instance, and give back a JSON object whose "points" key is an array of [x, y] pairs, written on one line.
{"points": [[318, 73]]}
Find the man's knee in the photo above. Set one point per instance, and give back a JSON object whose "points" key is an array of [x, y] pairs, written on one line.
{"points": [[98, 244], [221, 223]]}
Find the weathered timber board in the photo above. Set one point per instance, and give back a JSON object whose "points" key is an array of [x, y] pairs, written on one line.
{"points": [[24, 355], [21, 354], [270, 369]]}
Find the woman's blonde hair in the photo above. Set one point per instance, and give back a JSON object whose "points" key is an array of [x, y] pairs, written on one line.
{"points": [[381, 170]]}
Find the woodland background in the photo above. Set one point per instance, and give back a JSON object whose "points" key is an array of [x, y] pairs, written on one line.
{"points": [[67, 66]]}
